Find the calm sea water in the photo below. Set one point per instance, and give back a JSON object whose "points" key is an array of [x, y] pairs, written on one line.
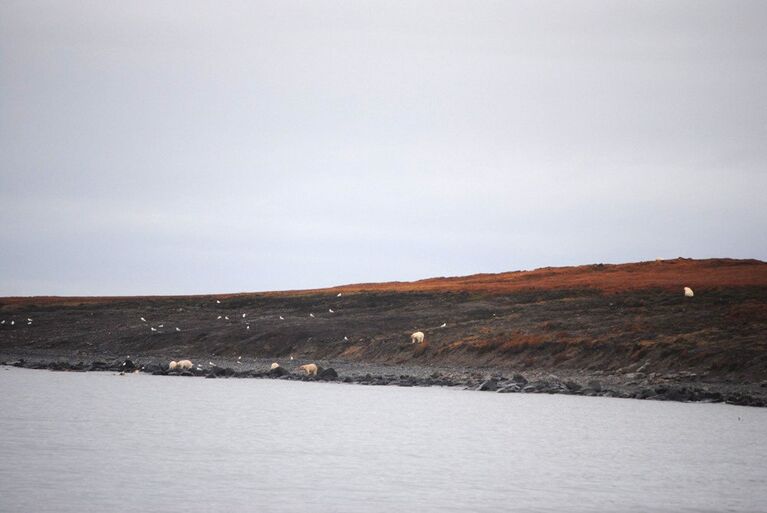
{"points": [[73, 442]]}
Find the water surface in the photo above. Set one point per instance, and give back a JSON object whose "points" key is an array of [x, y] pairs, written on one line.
{"points": [[74, 442]]}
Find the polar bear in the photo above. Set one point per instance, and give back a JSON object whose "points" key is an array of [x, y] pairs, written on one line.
{"points": [[309, 368], [688, 292], [416, 337], [184, 365], [172, 365]]}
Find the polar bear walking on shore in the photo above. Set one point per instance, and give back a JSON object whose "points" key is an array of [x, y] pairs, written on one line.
{"points": [[688, 292], [184, 365], [309, 368], [417, 337]]}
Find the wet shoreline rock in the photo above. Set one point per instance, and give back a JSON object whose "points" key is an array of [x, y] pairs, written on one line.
{"points": [[666, 389]]}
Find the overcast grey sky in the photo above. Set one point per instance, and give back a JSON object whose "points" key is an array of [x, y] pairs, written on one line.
{"points": [[151, 147]]}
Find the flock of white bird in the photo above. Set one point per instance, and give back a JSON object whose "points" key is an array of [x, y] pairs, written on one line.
{"points": [[220, 317], [417, 337], [13, 322]]}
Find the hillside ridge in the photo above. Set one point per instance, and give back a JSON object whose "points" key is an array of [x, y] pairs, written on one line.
{"points": [[663, 274]]}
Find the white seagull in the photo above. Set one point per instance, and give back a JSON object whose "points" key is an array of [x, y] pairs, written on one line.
{"points": [[218, 317], [338, 295], [281, 318], [444, 325], [311, 315], [13, 322], [226, 317], [346, 338], [247, 327], [3, 322], [143, 320], [178, 329], [331, 310], [218, 302], [151, 328], [29, 320], [211, 363], [243, 315], [161, 326]]}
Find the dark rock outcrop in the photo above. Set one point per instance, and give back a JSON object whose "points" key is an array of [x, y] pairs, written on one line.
{"points": [[278, 372], [509, 389], [490, 385], [328, 374]]}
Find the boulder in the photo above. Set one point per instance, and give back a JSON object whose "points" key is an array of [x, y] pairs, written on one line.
{"points": [[544, 386], [328, 374], [509, 389], [595, 385], [490, 385], [224, 372], [645, 393], [277, 372], [572, 386], [680, 394], [710, 397], [152, 368]]}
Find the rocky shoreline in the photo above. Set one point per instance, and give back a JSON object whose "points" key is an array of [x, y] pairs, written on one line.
{"points": [[680, 387]]}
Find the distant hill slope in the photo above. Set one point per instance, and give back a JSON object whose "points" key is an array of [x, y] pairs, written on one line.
{"points": [[595, 317], [662, 274]]}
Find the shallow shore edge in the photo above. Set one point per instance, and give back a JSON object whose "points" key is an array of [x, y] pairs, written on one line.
{"points": [[535, 382]]}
